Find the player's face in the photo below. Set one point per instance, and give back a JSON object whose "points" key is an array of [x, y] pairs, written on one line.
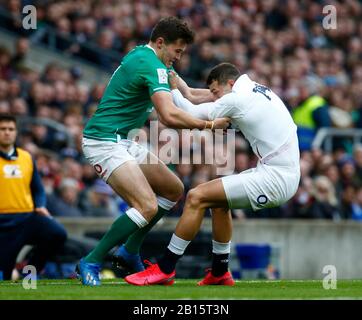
{"points": [[170, 53], [7, 133], [218, 90]]}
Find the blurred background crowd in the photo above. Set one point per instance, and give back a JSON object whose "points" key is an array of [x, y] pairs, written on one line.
{"points": [[279, 43]]}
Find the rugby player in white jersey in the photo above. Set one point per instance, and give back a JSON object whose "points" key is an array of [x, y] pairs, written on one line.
{"points": [[264, 120]]}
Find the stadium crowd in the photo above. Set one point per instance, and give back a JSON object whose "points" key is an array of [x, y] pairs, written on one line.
{"points": [[281, 44]]}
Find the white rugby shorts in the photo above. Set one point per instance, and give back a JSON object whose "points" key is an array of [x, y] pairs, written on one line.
{"points": [[261, 187], [106, 156]]}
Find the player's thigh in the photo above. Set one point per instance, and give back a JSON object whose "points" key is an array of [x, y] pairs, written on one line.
{"points": [[238, 189], [256, 189], [162, 180], [117, 164], [130, 183], [210, 194], [106, 156]]}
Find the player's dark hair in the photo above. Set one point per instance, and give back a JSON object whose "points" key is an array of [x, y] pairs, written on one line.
{"points": [[222, 73], [7, 118], [171, 29]]}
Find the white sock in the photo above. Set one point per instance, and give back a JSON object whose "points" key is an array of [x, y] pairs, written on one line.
{"points": [[178, 245], [136, 217], [220, 247], [165, 203]]}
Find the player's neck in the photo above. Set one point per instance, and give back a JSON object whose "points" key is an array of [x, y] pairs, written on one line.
{"points": [[153, 46]]}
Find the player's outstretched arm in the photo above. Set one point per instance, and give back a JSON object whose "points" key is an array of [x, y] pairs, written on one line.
{"points": [[200, 111], [174, 117], [223, 107], [194, 95]]}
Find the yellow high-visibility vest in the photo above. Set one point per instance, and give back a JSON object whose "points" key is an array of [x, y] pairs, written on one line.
{"points": [[303, 114], [15, 181]]}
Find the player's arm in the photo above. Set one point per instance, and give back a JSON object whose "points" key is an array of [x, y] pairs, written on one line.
{"points": [[38, 193], [223, 107], [194, 95], [156, 79], [201, 111], [174, 117]]}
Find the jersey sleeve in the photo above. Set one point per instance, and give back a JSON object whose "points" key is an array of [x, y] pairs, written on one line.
{"points": [[156, 78], [224, 107], [200, 111], [37, 189]]}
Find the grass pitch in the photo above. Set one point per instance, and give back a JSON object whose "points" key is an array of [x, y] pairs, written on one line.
{"points": [[182, 289]]}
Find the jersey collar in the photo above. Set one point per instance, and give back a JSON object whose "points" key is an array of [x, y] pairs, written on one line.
{"points": [[148, 46], [240, 82], [12, 155]]}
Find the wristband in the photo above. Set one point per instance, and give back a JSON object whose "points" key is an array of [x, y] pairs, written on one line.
{"points": [[208, 125]]}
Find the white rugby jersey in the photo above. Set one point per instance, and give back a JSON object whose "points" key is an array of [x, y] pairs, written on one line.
{"points": [[259, 114]]}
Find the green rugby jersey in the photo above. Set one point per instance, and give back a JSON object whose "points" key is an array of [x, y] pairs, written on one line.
{"points": [[126, 102]]}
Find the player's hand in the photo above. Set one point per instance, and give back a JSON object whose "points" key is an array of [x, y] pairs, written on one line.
{"points": [[221, 123], [172, 79], [43, 212]]}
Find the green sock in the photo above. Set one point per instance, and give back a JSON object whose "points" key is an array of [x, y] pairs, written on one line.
{"points": [[118, 233], [135, 241]]}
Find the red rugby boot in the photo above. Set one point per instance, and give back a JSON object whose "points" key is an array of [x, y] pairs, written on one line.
{"points": [[225, 280], [152, 275]]}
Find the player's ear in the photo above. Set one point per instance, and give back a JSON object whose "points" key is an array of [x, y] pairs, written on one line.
{"points": [[231, 82], [159, 42]]}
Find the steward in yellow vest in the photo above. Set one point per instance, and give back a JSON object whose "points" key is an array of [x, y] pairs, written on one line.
{"points": [[19, 181], [309, 116], [24, 219]]}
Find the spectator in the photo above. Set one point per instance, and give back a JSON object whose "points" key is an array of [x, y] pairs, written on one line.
{"points": [[357, 157], [98, 201], [21, 50], [19, 107], [4, 107], [347, 199], [66, 203], [310, 115], [325, 205], [348, 171], [357, 206], [5, 68]]}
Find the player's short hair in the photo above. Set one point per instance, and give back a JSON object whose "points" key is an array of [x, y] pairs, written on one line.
{"points": [[171, 29], [222, 73], [7, 118]]}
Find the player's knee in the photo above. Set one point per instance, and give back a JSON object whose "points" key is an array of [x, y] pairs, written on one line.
{"points": [[57, 236], [62, 236], [175, 191], [194, 198], [178, 191]]}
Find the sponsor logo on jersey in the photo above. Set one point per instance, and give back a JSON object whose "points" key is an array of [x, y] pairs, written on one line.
{"points": [[162, 76]]}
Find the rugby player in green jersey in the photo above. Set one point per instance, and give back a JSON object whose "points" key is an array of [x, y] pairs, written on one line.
{"points": [[138, 176]]}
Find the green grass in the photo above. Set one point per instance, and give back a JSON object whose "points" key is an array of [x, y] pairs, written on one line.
{"points": [[182, 289]]}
